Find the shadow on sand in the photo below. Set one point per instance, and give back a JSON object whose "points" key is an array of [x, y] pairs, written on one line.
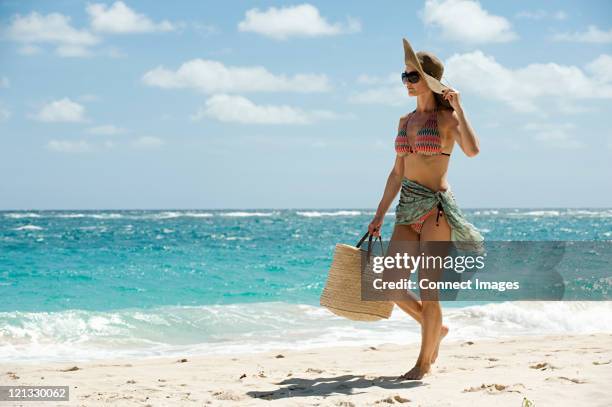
{"points": [[323, 386]]}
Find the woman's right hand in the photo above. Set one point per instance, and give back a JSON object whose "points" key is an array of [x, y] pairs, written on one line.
{"points": [[375, 226]]}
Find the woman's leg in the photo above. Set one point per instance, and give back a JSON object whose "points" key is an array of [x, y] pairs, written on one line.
{"points": [[412, 305], [432, 329]]}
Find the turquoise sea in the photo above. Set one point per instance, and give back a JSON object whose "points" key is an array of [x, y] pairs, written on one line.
{"points": [[92, 284]]}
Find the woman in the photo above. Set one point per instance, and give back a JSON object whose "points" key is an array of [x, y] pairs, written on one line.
{"points": [[427, 210]]}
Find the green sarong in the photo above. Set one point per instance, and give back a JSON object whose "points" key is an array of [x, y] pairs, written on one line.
{"points": [[417, 200]]}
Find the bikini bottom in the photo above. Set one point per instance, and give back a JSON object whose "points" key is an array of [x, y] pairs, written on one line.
{"points": [[417, 203], [418, 225]]}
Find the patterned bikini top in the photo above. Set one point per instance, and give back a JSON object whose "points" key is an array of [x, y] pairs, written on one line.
{"points": [[427, 140]]}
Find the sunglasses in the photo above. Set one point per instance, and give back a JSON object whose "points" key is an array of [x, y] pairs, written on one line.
{"points": [[412, 77]]}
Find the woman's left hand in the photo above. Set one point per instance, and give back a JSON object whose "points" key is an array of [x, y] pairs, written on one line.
{"points": [[452, 96]]}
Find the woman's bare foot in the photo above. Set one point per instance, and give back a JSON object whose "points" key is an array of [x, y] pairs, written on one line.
{"points": [[443, 333], [416, 373]]}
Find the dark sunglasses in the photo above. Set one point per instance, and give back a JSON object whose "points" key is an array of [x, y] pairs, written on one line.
{"points": [[412, 77]]}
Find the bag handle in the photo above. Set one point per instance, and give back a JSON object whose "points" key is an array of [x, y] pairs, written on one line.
{"points": [[382, 249], [362, 239]]}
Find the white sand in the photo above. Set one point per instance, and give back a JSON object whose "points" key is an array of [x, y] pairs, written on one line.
{"points": [[559, 370]]}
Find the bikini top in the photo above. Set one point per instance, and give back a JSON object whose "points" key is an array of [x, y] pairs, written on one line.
{"points": [[427, 141]]}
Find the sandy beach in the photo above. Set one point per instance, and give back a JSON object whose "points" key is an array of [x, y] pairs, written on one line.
{"points": [[559, 370]]}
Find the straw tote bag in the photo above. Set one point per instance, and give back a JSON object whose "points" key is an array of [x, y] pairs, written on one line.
{"points": [[342, 292]]}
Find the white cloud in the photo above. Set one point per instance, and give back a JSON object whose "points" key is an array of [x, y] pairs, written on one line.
{"points": [[63, 110], [212, 76], [79, 146], [73, 51], [525, 89], [120, 19], [388, 95], [592, 35], [238, 109], [556, 135], [35, 29], [466, 21], [601, 68], [106, 130], [541, 14], [147, 142], [303, 20], [69, 146], [53, 28]]}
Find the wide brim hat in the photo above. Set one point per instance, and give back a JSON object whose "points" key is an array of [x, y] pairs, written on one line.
{"points": [[434, 66]]}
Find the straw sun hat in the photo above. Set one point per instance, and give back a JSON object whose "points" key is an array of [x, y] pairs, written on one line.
{"points": [[430, 68]]}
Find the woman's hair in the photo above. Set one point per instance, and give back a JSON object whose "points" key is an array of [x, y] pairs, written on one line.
{"points": [[441, 103]]}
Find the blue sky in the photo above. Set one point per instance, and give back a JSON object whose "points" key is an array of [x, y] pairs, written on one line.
{"points": [[194, 104]]}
